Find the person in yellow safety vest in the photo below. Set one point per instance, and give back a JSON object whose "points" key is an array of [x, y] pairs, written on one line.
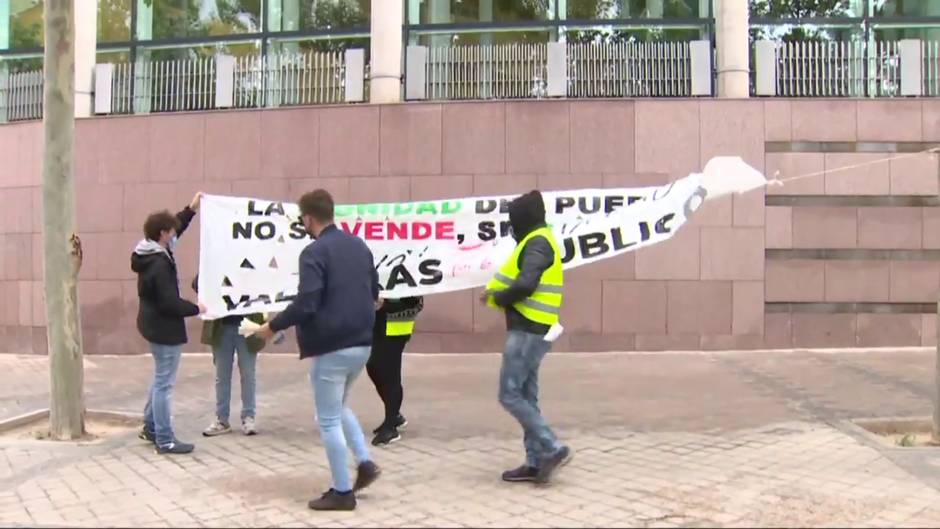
{"points": [[528, 288], [394, 325]]}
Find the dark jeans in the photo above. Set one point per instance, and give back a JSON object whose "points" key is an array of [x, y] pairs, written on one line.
{"points": [[384, 369], [519, 392]]}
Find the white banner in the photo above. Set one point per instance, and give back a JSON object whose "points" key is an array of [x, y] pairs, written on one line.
{"points": [[250, 247]]}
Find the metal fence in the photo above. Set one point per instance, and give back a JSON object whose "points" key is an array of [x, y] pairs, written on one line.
{"points": [[629, 69], [290, 79], [186, 85], [931, 70], [505, 71], [843, 69], [520, 71], [21, 95]]}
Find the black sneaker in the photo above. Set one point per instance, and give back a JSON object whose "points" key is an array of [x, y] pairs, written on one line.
{"points": [[366, 475], [523, 473], [147, 435], [386, 437], [176, 447], [399, 424], [334, 501], [548, 465]]}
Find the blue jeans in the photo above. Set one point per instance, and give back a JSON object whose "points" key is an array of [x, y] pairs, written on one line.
{"points": [[166, 362], [332, 376], [223, 356], [519, 392]]}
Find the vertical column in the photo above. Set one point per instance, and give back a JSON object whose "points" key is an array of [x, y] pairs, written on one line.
{"points": [[385, 45], [731, 40], [561, 33], [144, 32], [86, 39]]}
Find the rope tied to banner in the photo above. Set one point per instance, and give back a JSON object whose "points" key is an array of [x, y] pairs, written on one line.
{"points": [[777, 181]]}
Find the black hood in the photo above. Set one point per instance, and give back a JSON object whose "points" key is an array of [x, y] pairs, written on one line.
{"points": [[140, 263], [526, 213]]}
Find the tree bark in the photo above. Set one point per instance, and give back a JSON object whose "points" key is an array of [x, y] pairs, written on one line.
{"points": [[62, 251]]}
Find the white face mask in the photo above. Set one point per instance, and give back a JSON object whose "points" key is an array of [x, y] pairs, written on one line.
{"points": [[172, 245]]}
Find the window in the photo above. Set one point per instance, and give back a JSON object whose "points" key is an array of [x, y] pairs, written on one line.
{"points": [[322, 15], [197, 18], [624, 9], [806, 8], [114, 20], [476, 11], [907, 8], [26, 29]]}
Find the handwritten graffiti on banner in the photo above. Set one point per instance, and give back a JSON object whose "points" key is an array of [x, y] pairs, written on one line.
{"points": [[250, 247]]}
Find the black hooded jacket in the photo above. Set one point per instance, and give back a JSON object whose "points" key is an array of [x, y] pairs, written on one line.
{"points": [[526, 214], [161, 313]]}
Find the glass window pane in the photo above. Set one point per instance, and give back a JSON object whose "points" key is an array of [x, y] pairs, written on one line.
{"points": [[925, 32], [809, 32], [644, 34], [475, 11], [294, 15], [806, 9], [613, 9], [113, 56], [194, 18], [114, 20], [27, 63], [908, 8], [470, 38], [25, 24], [238, 49], [320, 45]]}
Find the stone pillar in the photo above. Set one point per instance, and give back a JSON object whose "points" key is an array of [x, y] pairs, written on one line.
{"points": [[731, 19], [86, 40], [386, 48]]}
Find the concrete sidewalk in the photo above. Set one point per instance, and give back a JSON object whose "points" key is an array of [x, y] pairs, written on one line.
{"points": [[667, 439]]}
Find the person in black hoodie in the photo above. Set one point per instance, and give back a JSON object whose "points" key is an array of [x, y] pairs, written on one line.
{"points": [[160, 319], [394, 325], [528, 288]]}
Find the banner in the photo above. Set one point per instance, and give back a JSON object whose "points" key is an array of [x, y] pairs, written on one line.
{"points": [[250, 247]]}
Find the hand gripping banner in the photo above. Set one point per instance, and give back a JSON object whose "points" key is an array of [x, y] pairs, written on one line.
{"points": [[250, 247]]}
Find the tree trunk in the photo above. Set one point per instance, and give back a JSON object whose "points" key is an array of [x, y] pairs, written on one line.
{"points": [[62, 252]]}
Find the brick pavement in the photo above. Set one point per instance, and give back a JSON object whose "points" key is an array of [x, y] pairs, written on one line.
{"points": [[665, 440]]}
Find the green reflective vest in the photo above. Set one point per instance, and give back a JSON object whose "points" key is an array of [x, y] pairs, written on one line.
{"points": [[544, 305]]}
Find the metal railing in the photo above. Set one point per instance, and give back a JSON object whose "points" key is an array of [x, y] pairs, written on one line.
{"points": [[21, 95], [838, 69], [629, 69], [502, 71], [290, 79], [930, 54], [253, 82]]}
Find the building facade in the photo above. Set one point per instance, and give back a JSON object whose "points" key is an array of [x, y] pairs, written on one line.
{"points": [[848, 255]]}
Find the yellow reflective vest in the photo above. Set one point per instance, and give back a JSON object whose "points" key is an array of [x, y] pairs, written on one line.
{"points": [[544, 305]]}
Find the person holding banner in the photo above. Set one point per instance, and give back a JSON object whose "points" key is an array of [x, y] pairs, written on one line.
{"points": [[160, 319], [334, 312], [394, 325], [528, 288], [227, 345]]}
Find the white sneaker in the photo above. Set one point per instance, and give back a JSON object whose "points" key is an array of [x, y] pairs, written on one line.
{"points": [[217, 428], [248, 426]]}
